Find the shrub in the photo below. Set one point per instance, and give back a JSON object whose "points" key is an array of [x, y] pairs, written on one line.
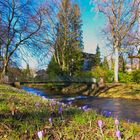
{"points": [[125, 77], [98, 72], [109, 77], [136, 76], [84, 74]]}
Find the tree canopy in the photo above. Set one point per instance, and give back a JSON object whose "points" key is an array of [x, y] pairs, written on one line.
{"points": [[122, 17]]}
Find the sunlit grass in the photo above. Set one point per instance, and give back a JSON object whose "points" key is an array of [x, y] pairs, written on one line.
{"points": [[23, 115], [129, 91]]}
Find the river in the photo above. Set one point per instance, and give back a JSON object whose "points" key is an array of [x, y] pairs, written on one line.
{"points": [[125, 109]]}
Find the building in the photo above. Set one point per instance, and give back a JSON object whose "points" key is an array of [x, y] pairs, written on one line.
{"points": [[88, 61]]}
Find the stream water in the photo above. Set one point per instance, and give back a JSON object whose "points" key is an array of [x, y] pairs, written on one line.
{"points": [[122, 108]]}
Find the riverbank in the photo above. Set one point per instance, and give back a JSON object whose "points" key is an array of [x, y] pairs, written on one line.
{"points": [[49, 86], [120, 90], [25, 116], [127, 91]]}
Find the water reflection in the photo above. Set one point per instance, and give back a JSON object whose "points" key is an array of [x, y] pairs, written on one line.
{"points": [[121, 108]]}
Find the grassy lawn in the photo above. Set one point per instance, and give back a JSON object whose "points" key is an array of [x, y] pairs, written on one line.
{"points": [[23, 115], [129, 91]]}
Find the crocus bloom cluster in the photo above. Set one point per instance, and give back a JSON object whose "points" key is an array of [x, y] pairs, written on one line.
{"points": [[106, 113]]}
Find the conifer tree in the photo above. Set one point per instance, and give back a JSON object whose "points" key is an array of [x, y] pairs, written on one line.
{"points": [[122, 63], [68, 45], [105, 64], [97, 61]]}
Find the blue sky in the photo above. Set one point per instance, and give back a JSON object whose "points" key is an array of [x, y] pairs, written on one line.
{"points": [[92, 26]]}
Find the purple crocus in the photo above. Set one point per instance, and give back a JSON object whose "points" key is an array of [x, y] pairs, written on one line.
{"points": [[50, 120], [52, 104], [60, 110], [69, 103], [85, 108], [100, 123], [117, 121], [118, 134], [106, 113], [37, 104], [40, 135]]}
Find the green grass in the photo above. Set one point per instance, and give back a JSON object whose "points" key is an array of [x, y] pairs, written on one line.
{"points": [[31, 114]]}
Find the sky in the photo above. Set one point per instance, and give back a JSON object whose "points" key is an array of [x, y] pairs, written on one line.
{"points": [[92, 26]]}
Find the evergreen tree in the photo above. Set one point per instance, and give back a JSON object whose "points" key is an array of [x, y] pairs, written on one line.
{"points": [[105, 64], [68, 45], [122, 63], [28, 70], [97, 61], [53, 69], [76, 40], [26, 73]]}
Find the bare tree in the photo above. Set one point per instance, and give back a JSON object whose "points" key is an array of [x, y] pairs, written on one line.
{"points": [[62, 32], [121, 17], [19, 23]]}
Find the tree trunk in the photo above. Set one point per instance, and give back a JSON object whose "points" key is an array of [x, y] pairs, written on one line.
{"points": [[4, 70], [131, 61], [123, 65], [116, 66]]}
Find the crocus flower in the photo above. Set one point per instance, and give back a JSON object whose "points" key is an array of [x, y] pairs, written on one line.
{"points": [[117, 121], [58, 103], [69, 103], [80, 108], [118, 134], [40, 135], [85, 108], [13, 112], [106, 113], [60, 110], [100, 123], [53, 104], [50, 120], [37, 104], [44, 99]]}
